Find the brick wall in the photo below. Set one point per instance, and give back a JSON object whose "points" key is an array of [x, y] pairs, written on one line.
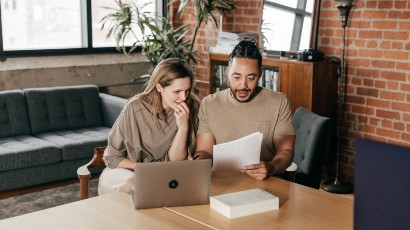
{"points": [[378, 80], [377, 55]]}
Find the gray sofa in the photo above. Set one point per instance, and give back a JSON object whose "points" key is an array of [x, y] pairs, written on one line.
{"points": [[47, 133]]}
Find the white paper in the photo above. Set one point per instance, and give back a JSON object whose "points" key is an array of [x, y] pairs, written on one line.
{"points": [[234, 155]]}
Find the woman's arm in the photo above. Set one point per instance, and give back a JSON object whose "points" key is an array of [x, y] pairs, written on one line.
{"points": [[178, 150]]}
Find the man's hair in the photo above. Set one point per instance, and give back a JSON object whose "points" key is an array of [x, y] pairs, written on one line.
{"points": [[246, 49]]}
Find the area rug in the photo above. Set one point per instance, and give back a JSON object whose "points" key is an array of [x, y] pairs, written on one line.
{"points": [[36, 201]]}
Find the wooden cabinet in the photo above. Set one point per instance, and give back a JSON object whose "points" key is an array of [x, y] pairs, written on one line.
{"points": [[312, 85]]}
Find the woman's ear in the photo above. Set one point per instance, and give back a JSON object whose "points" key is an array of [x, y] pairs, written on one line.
{"points": [[159, 87]]}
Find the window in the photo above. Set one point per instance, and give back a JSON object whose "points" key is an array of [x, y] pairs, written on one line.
{"points": [[57, 26], [287, 24]]}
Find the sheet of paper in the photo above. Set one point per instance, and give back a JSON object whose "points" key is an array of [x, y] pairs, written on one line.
{"points": [[236, 154]]}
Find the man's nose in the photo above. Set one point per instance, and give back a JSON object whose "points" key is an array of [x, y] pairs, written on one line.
{"points": [[244, 83]]}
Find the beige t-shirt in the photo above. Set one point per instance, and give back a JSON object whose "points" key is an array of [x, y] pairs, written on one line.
{"points": [[227, 119], [135, 135]]}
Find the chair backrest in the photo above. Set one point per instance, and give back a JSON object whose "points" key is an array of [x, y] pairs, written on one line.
{"points": [[312, 133]]}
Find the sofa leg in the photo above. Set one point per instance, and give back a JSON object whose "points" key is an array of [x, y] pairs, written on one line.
{"points": [[84, 179]]}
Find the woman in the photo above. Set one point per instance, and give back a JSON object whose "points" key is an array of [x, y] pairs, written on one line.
{"points": [[157, 125]]}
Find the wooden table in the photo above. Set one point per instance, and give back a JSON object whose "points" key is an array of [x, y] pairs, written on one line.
{"points": [[300, 208], [111, 211]]}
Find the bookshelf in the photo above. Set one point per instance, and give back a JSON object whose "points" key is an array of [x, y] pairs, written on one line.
{"points": [[312, 85]]}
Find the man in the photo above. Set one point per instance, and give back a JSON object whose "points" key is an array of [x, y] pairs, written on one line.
{"points": [[245, 108]]}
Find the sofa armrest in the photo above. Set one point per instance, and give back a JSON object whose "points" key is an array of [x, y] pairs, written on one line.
{"points": [[111, 108], [83, 172]]}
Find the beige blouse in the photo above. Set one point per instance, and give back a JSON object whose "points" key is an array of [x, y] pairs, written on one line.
{"points": [[136, 136]]}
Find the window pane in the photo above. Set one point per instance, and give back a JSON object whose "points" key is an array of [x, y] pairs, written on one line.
{"points": [[309, 6], [98, 12], [305, 38], [290, 3], [41, 24], [277, 28]]}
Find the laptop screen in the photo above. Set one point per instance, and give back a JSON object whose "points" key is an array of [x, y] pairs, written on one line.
{"points": [[382, 186]]}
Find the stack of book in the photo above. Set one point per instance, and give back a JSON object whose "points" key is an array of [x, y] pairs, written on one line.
{"points": [[227, 41]]}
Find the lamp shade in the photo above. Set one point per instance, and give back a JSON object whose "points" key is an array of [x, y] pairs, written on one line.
{"points": [[344, 2], [344, 7]]}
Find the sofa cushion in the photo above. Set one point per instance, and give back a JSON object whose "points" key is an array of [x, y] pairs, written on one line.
{"points": [[27, 151], [62, 108], [79, 143], [13, 114]]}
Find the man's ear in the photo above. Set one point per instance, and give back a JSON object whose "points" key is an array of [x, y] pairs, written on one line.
{"points": [[159, 87]]}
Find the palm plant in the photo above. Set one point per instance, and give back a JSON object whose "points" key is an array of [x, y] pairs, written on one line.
{"points": [[156, 36]]}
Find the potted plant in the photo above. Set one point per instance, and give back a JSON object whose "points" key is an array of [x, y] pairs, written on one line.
{"points": [[156, 36]]}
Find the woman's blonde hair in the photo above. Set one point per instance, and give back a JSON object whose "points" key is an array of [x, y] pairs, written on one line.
{"points": [[164, 74]]}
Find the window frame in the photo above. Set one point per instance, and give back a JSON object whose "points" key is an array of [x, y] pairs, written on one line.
{"points": [[299, 18], [87, 39]]}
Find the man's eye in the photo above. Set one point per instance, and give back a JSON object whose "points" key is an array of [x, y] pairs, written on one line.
{"points": [[251, 78]]}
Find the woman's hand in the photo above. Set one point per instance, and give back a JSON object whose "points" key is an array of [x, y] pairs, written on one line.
{"points": [[182, 116]]}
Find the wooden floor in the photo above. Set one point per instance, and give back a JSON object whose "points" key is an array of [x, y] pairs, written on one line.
{"points": [[21, 191]]}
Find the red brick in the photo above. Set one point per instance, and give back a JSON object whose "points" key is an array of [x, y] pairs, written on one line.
{"points": [[399, 126], [368, 73], [380, 84], [374, 121], [371, 44], [396, 55], [392, 95], [406, 137], [387, 124], [359, 43], [384, 64], [400, 4], [384, 24], [355, 99], [356, 81], [358, 24], [397, 45], [360, 62], [377, 103], [401, 106], [408, 46], [405, 87], [368, 82], [367, 92], [403, 66], [393, 75], [370, 34], [388, 133], [404, 25], [370, 53], [362, 110], [392, 85], [396, 35], [398, 15], [385, 45], [374, 14], [387, 114], [385, 4], [367, 129], [371, 4]]}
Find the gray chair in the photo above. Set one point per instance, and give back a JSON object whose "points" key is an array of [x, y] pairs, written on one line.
{"points": [[312, 132]]}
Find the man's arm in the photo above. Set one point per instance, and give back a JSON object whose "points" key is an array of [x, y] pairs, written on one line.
{"points": [[204, 145], [282, 160]]}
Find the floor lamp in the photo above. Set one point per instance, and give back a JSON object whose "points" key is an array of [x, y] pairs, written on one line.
{"points": [[337, 186]]}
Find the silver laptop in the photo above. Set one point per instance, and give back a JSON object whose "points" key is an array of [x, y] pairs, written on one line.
{"points": [[170, 184]]}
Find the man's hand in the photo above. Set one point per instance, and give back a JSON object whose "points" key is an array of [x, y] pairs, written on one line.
{"points": [[258, 171]]}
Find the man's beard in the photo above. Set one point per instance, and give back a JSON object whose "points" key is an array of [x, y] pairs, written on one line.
{"points": [[251, 94]]}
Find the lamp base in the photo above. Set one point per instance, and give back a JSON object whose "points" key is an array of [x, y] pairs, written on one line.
{"points": [[337, 187]]}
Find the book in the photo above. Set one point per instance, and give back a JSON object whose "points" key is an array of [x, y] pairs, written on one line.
{"points": [[243, 203]]}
